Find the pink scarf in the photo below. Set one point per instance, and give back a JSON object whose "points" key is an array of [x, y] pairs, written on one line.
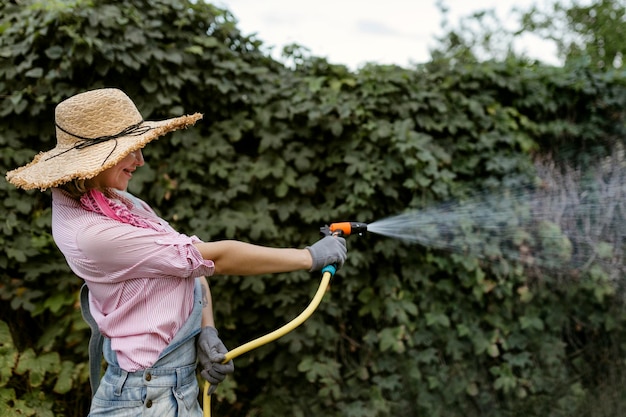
{"points": [[94, 200]]}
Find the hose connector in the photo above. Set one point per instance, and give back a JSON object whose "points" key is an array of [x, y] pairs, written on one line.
{"points": [[344, 229]]}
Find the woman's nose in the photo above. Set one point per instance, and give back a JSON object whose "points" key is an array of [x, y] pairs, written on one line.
{"points": [[139, 161]]}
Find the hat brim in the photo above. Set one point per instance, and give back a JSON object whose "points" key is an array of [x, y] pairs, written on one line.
{"points": [[59, 166]]}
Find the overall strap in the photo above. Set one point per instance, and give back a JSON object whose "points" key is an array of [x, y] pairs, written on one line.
{"points": [[95, 341]]}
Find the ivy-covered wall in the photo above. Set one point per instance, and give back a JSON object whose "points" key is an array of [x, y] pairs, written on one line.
{"points": [[404, 329]]}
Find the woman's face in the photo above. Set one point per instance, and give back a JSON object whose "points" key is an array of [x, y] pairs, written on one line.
{"points": [[118, 175]]}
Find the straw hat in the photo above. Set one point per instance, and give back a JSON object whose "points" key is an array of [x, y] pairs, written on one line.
{"points": [[95, 130]]}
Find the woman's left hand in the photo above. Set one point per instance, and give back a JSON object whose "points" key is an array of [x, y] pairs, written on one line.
{"points": [[211, 355]]}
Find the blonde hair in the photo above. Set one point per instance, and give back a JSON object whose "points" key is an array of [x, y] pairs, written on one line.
{"points": [[76, 188]]}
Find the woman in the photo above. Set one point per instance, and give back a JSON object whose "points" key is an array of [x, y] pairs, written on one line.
{"points": [[146, 288]]}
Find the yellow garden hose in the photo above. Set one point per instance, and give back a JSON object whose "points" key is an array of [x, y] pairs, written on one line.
{"points": [[327, 273]]}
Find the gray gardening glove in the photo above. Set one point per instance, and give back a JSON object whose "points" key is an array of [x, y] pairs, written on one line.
{"points": [[211, 354], [328, 250]]}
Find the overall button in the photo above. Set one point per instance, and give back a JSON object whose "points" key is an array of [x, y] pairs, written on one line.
{"points": [[148, 376], [148, 403]]}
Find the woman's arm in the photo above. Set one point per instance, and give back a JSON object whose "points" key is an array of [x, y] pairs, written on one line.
{"points": [[232, 257], [207, 304], [211, 350]]}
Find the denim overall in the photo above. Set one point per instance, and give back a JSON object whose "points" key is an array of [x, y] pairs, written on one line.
{"points": [[168, 388]]}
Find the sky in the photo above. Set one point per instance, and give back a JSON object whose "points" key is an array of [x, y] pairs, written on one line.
{"points": [[353, 32]]}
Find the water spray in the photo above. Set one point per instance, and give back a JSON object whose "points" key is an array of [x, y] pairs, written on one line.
{"points": [[571, 220]]}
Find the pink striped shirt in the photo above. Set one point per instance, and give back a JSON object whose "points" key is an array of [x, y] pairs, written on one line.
{"points": [[141, 281]]}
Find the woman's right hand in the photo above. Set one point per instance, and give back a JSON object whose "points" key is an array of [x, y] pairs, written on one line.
{"points": [[328, 250]]}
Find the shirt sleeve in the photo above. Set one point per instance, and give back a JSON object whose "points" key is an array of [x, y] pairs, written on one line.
{"points": [[115, 251]]}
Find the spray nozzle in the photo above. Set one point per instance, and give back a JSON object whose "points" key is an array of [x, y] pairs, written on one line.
{"points": [[344, 229]]}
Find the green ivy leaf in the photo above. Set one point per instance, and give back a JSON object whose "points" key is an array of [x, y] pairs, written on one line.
{"points": [[8, 354], [54, 52], [34, 73], [37, 366], [66, 377], [439, 319], [530, 322]]}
